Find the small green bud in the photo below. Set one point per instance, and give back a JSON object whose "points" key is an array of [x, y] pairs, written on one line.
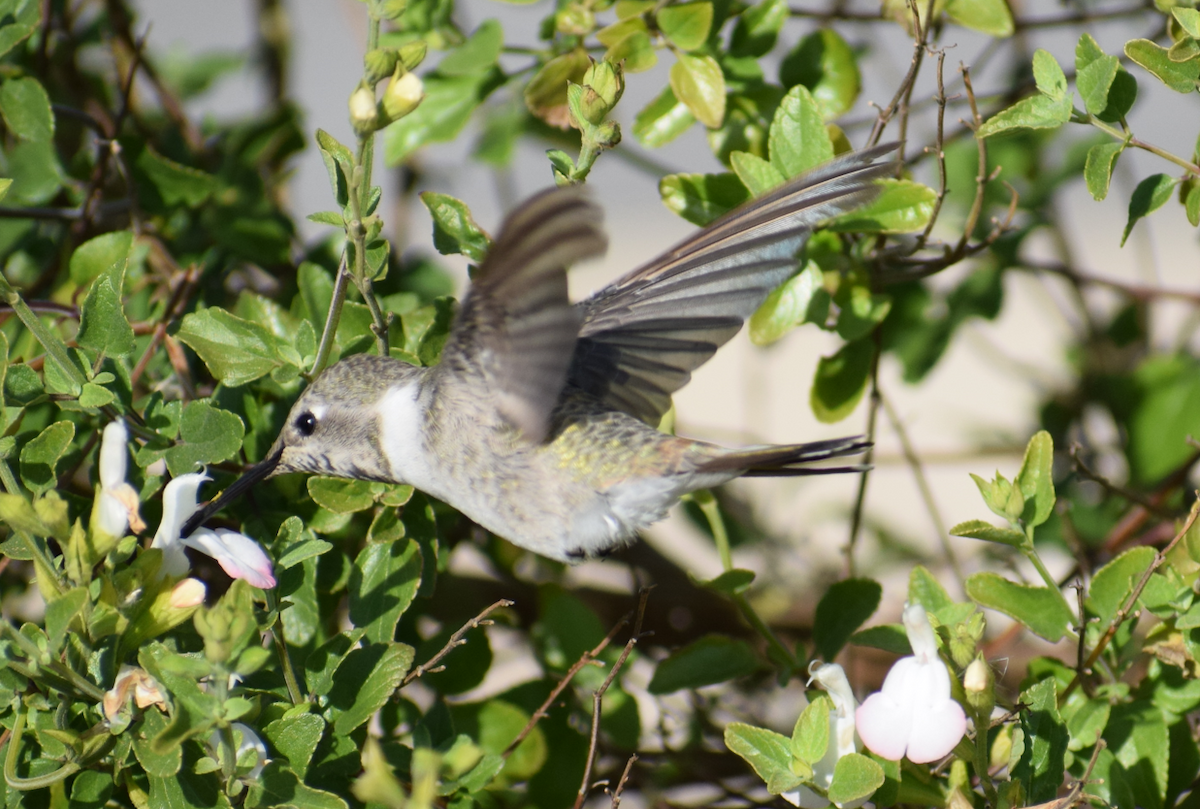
{"points": [[575, 20], [608, 135], [379, 64], [363, 116], [412, 54], [603, 84], [388, 9], [979, 684], [404, 92]]}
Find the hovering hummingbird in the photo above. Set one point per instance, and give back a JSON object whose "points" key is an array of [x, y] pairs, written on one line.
{"points": [[538, 422]]}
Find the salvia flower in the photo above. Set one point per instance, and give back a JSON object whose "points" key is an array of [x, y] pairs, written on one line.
{"points": [[239, 555], [249, 741], [914, 715], [134, 682], [842, 740], [117, 502]]}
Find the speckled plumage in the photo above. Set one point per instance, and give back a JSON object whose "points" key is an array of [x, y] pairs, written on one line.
{"points": [[537, 423]]}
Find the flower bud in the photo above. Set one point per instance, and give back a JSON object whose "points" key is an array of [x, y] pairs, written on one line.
{"points": [[603, 85], [979, 682], [575, 20], [188, 593], [390, 9], [608, 135], [363, 116], [379, 64], [412, 54], [404, 92]]}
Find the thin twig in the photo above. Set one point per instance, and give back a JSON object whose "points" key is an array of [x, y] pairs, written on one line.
{"points": [[1134, 497], [860, 499], [456, 640], [598, 696], [1126, 608], [616, 794], [584, 659], [1138, 292]]}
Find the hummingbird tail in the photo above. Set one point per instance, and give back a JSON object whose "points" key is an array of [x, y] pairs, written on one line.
{"points": [[789, 460]]}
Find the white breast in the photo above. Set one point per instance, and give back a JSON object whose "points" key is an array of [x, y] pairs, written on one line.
{"points": [[401, 437]]}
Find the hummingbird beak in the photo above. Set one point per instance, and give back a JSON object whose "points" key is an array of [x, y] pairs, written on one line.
{"points": [[260, 471]]}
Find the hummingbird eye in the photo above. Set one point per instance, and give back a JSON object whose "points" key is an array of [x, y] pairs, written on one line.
{"points": [[306, 423]]}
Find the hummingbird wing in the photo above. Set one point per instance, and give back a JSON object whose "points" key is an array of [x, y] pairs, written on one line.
{"points": [[643, 335], [517, 326]]}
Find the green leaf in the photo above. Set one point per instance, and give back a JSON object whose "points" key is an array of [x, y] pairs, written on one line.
{"points": [[296, 737], [1049, 76], [698, 82], [207, 435], [448, 104], [729, 582], [756, 174], [546, 93], [40, 457], [18, 513], [854, 777], [26, 109], [176, 183], [797, 140], [1140, 743], [327, 218], [1036, 479], [861, 311], [339, 162], [768, 752], [454, 229], [1150, 195], [477, 54], [925, 589], [1098, 168], [810, 736], [903, 206], [845, 606], [1113, 583], [383, 584], [1188, 19], [340, 495], [978, 529], [801, 299], [61, 610], [840, 381], [1095, 72], [991, 17], [365, 681], [757, 29], [1041, 609], [824, 63], [1040, 769], [711, 659], [302, 550], [1192, 205], [99, 254], [663, 119], [236, 351], [888, 637], [686, 25], [277, 786], [629, 42], [1179, 76], [1085, 719], [103, 326], [1035, 112], [20, 19], [701, 198]]}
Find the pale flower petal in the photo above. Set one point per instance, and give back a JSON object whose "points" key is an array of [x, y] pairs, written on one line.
{"points": [[114, 454], [112, 517], [913, 714], [805, 798], [179, 503], [250, 741], [239, 555], [187, 594]]}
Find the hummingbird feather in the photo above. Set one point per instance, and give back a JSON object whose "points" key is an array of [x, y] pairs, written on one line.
{"points": [[643, 335], [517, 325]]}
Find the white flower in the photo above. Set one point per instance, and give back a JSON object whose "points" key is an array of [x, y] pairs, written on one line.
{"points": [[250, 741], [842, 740], [131, 680], [914, 714], [117, 505], [239, 555]]}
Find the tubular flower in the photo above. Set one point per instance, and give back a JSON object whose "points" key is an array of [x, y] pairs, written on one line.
{"points": [[239, 555], [914, 714], [249, 741], [117, 502], [842, 741]]}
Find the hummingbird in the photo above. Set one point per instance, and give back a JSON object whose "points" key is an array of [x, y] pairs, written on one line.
{"points": [[539, 420]]}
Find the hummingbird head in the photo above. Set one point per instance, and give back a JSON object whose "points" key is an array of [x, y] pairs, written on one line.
{"points": [[332, 429]]}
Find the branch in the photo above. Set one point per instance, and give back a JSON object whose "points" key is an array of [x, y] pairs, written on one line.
{"points": [[1127, 607], [456, 640], [598, 697]]}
